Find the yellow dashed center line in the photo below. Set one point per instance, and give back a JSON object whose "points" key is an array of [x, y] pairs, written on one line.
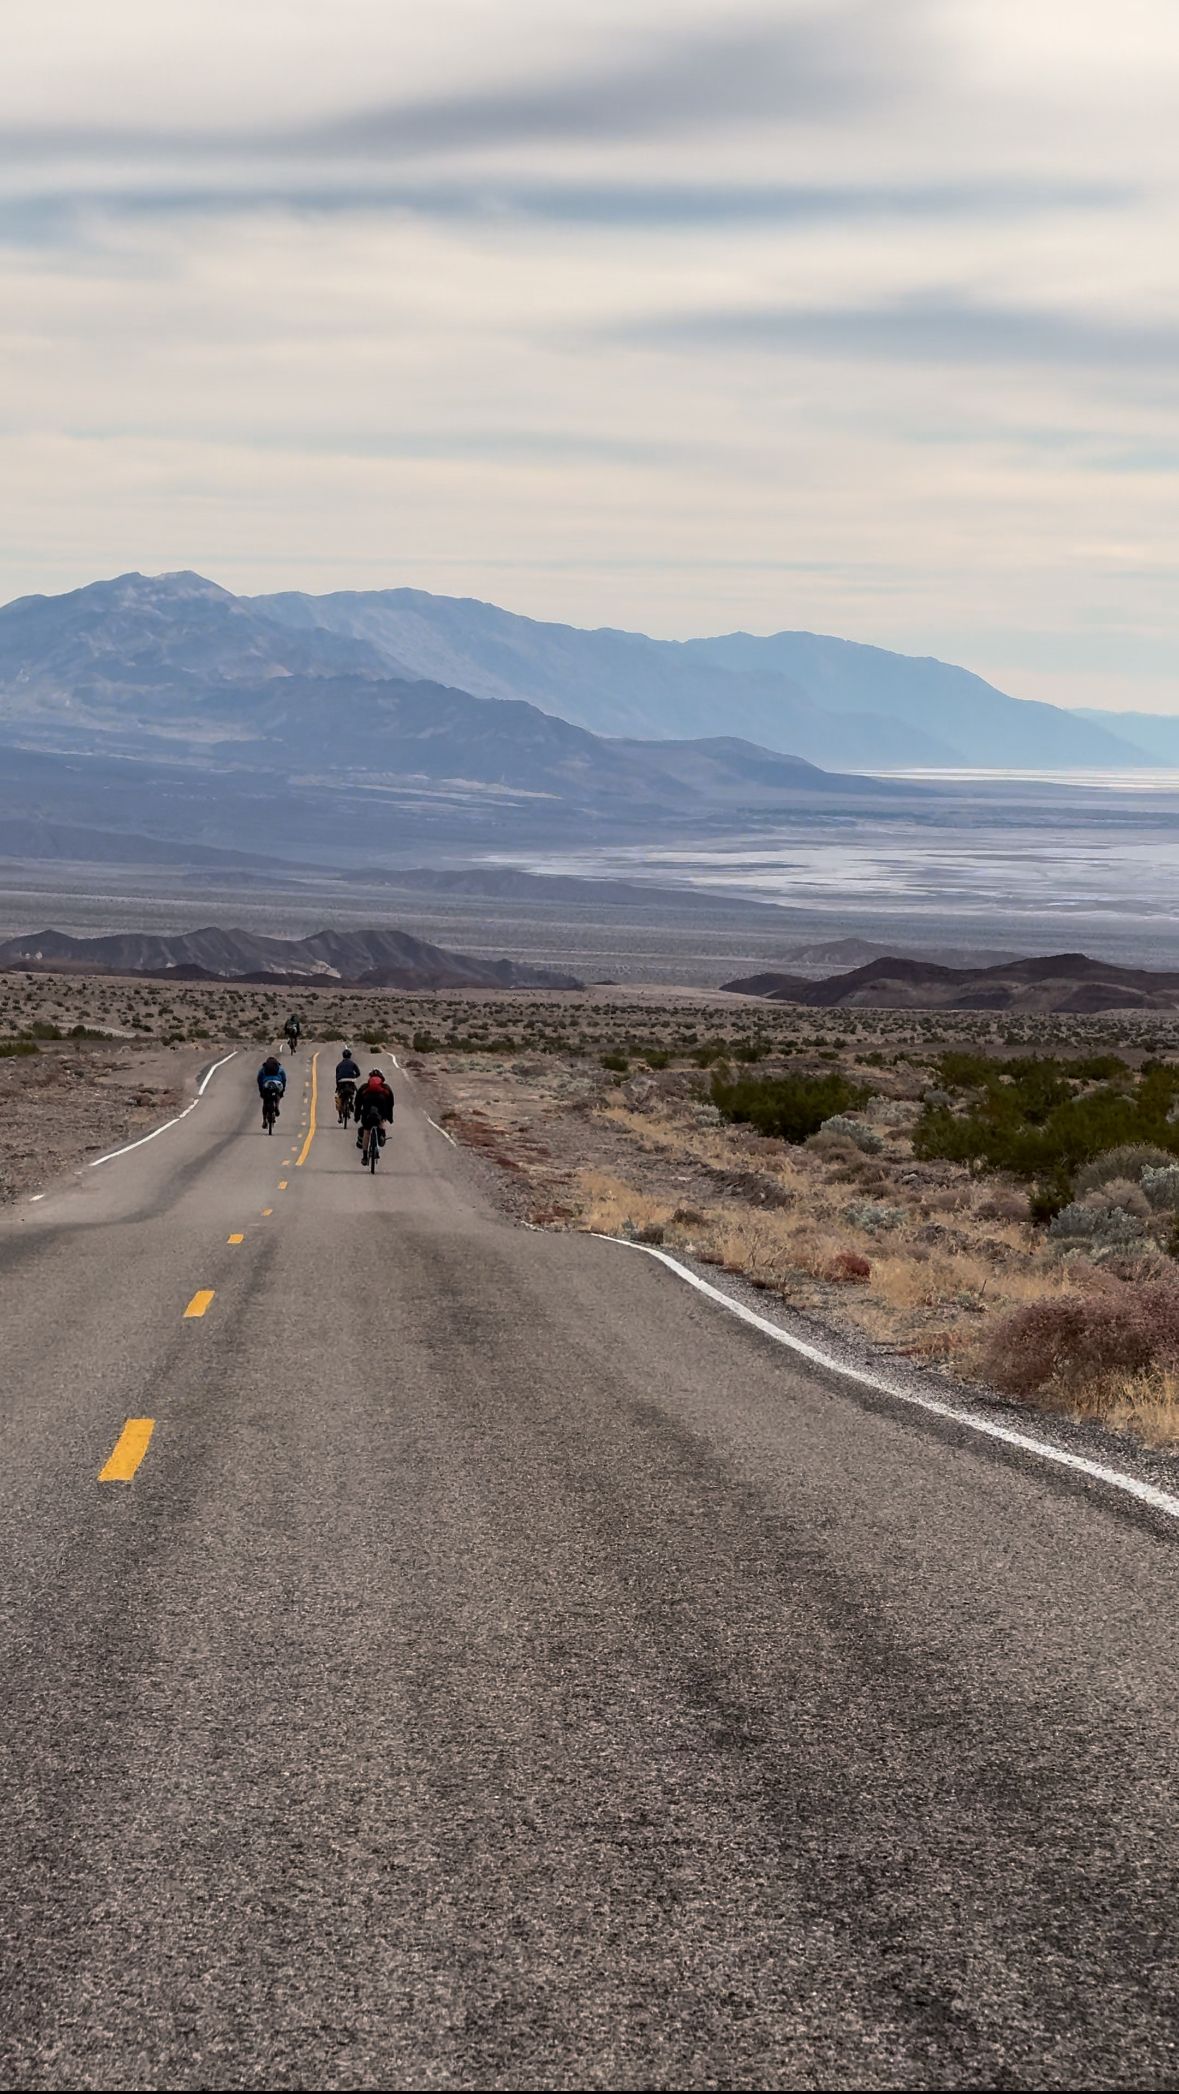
{"points": [[268, 1210], [200, 1302], [282, 1184], [130, 1448], [235, 1239], [302, 1158]]}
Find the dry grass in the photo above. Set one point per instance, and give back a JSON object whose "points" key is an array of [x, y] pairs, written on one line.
{"points": [[916, 1255]]}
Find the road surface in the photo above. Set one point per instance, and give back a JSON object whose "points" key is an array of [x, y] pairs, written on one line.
{"points": [[495, 1666]]}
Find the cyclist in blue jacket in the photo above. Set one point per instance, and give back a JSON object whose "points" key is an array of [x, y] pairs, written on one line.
{"points": [[272, 1077]]}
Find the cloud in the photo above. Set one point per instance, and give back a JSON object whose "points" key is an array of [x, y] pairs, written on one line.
{"points": [[925, 329], [806, 67], [53, 214]]}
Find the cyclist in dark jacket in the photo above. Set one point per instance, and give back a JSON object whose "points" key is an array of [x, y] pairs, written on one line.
{"points": [[374, 1106], [272, 1077], [347, 1078]]}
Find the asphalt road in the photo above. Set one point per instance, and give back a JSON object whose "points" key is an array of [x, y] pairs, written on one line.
{"points": [[505, 1669]]}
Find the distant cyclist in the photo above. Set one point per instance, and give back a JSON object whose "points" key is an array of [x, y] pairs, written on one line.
{"points": [[293, 1028], [347, 1078], [374, 1107], [272, 1082]]}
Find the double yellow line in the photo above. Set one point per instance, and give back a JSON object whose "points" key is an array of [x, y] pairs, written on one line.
{"points": [[301, 1158]]}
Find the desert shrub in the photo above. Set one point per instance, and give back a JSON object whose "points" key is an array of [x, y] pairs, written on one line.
{"points": [[423, 1043], [1120, 1193], [791, 1108], [41, 1029], [1006, 1203], [9, 1049], [1028, 1119], [1123, 1328], [619, 1063], [875, 1217], [1128, 1161], [889, 1112], [848, 1266], [1160, 1184], [864, 1137], [1080, 1222]]}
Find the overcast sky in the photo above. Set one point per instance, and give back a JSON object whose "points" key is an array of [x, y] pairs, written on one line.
{"points": [[662, 313]]}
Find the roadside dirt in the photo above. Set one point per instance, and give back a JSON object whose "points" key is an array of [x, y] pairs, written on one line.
{"points": [[73, 1100]]}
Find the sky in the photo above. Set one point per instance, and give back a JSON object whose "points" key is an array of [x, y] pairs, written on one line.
{"points": [[860, 317]]}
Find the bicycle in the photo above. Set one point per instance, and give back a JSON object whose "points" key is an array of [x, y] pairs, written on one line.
{"points": [[345, 1100], [370, 1154], [270, 1096]]}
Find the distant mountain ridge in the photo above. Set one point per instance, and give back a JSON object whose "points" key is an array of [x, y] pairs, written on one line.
{"points": [[834, 702], [366, 959], [176, 658], [1065, 982], [176, 668]]}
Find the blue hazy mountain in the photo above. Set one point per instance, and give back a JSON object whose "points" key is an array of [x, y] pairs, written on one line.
{"points": [[407, 681], [1156, 734], [831, 701]]}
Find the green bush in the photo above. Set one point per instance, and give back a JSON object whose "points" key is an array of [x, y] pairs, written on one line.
{"points": [[617, 1062], [9, 1049], [791, 1108], [1037, 1118]]}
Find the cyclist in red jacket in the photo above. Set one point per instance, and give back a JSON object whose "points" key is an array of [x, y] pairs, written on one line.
{"points": [[374, 1106]]}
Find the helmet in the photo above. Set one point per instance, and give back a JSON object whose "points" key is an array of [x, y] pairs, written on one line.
{"points": [[376, 1072], [271, 1062], [347, 1054]]}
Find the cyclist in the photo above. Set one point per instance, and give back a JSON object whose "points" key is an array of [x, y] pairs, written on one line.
{"points": [[374, 1107], [272, 1077], [347, 1078], [292, 1029]]}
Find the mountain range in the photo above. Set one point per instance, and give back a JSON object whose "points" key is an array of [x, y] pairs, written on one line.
{"points": [[360, 959], [1068, 981], [400, 681]]}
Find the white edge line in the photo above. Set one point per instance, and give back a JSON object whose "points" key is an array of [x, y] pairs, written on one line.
{"points": [[442, 1131], [201, 1089], [1147, 1493]]}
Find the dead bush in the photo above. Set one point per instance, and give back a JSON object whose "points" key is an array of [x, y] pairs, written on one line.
{"points": [[1005, 1204], [848, 1266], [1125, 1328]]}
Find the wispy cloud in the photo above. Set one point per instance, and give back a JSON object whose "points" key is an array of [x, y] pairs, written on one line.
{"points": [[812, 67], [51, 213], [922, 329], [844, 313]]}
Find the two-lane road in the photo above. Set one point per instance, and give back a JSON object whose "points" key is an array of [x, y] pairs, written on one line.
{"points": [[503, 1668]]}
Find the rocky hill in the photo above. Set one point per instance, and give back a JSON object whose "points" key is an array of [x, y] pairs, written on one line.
{"points": [[1059, 982], [370, 959]]}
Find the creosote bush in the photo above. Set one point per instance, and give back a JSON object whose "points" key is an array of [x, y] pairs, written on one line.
{"points": [[790, 1108]]}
